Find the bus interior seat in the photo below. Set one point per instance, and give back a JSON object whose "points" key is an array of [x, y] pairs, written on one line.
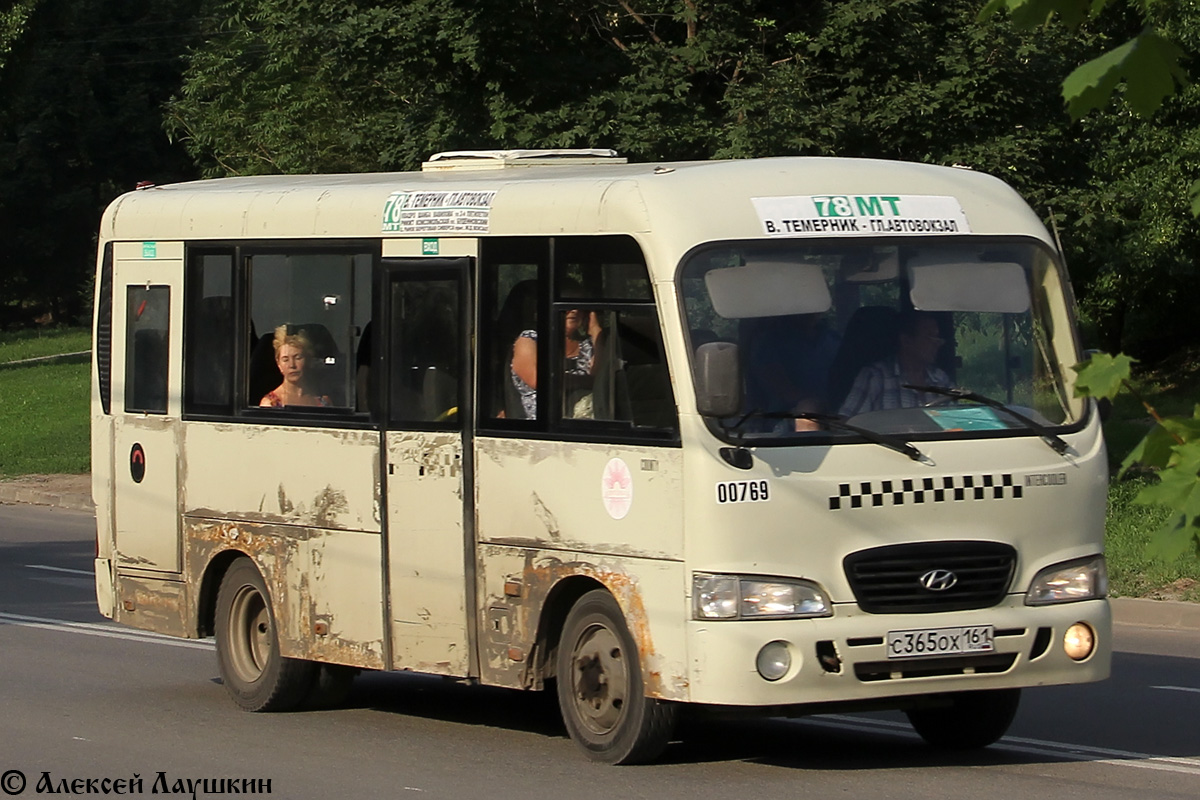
{"points": [[149, 382], [647, 384], [870, 336], [439, 389], [631, 379], [362, 370], [211, 381]]}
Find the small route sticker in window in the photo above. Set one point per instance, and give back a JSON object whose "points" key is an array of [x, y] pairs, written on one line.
{"points": [[616, 488]]}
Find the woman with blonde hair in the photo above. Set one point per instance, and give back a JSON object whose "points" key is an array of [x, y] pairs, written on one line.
{"points": [[292, 353]]}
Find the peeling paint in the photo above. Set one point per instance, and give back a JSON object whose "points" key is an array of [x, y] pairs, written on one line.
{"points": [[307, 587], [516, 623], [151, 604], [621, 549], [532, 451], [285, 506]]}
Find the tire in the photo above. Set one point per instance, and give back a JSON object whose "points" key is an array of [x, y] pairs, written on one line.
{"points": [[972, 719], [601, 694], [254, 674]]}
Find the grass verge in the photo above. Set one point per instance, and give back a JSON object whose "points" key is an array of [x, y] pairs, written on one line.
{"points": [[20, 345], [44, 407], [1131, 573]]}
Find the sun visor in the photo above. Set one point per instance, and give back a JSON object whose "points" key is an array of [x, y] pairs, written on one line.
{"points": [[768, 289], [996, 286]]}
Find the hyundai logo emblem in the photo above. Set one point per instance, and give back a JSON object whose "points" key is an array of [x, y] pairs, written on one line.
{"points": [[938, 580]]}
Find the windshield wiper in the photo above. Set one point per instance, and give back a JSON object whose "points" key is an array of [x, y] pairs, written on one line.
{"points": [[882, 439], [1055, 442]]}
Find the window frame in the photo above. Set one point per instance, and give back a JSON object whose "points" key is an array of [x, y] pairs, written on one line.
{"points": [[550, 423], [242, 252], [131, 381]]}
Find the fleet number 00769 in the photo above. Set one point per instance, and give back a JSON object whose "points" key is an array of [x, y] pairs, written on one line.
{"points": [[743, 491]]}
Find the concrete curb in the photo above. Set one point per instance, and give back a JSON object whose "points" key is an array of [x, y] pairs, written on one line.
{"points": [[72, 492], [1156, 613]]}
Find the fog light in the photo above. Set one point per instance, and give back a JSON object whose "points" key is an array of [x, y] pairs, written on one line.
{"points": [[774, 660], [1079, 641]]}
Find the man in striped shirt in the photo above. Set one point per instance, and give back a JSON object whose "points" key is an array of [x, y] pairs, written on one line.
{"points": [[880, 386]]}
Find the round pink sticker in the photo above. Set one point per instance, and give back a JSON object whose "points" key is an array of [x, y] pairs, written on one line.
{"points": [[616, 488]]}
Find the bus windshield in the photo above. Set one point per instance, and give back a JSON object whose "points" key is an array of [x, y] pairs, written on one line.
{"points": [[925, 339]]}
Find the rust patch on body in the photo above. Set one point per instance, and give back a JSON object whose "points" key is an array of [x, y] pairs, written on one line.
{"points": [[514, 624], [153, 605], [278, 551]]}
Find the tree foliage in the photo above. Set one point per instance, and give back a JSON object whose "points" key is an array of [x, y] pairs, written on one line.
{"points": [[1148, 63], [1172, 448], [13, 21], [353, 84], [80, 120]]}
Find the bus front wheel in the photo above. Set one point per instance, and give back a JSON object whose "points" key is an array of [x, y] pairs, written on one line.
{"points": [[256, 676], [971, 719], [600, 689]]}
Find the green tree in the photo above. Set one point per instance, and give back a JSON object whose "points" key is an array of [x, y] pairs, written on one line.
{"points": [[80, 121], [354, 84], [1148, 64], [13, 21]]}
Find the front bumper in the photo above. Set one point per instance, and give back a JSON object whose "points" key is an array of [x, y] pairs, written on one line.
{"points": [[843, 658]]}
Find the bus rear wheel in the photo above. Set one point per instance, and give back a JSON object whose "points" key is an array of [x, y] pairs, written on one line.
{"points": [[971, 720], [256, 676], [600, 690]]}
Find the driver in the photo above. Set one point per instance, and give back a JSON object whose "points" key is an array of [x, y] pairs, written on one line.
{"points": [[880, 386]]}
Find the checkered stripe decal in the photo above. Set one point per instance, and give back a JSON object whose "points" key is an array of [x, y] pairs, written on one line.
{"points": [[917, 491]]}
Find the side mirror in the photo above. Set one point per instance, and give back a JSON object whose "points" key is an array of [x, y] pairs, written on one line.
{"points": [[718, 380]]}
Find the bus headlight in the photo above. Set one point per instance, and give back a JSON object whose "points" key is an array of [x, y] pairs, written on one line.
{"points": [[1082, 579], [738, 597]]}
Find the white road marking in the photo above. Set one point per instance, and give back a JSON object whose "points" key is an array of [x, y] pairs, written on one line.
{"points": [[107, 631], [89, 573], [1040, 747], [1178, 688]]}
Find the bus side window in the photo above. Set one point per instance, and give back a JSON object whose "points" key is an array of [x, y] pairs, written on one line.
{"points": [[314, 303], [210, 334], [512, 274], [607, 317], [617, 372], [146, 352]]}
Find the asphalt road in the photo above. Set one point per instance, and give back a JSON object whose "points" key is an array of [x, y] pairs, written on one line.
{"points": [[83, 699]]}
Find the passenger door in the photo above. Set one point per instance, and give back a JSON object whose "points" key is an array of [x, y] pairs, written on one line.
{"points": [[147, 347], [429, 494]]}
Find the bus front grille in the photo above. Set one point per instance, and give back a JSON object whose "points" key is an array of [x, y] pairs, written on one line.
{"points": [[927, 577]]}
